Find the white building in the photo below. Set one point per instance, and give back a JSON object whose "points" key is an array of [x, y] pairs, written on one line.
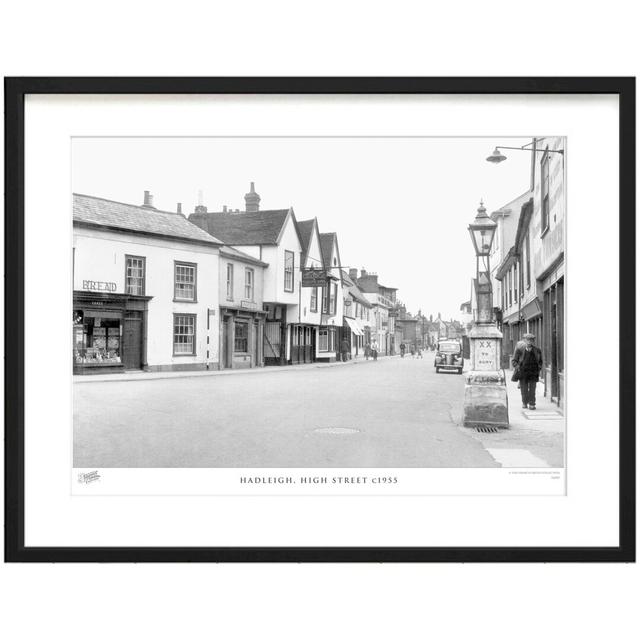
{"points": [[271, 237], [145, 289]]}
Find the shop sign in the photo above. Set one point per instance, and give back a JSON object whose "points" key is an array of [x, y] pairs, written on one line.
{"points": [[314, 278], [98, 285], [246, 304]]}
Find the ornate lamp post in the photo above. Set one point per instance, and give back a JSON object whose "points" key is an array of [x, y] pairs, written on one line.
{"points": [[485, 397]]}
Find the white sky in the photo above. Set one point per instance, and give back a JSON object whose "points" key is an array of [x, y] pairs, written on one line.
{"points": [[400, 206]]}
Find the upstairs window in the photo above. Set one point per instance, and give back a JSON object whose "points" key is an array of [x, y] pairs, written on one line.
{"points": [[332, 299], [184, 282], [248, 283], [229, 281], [314, 299], [544, 193], [134, 276], [288, 270]]}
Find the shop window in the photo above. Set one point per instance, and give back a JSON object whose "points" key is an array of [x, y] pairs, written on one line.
{"points": [[241, 337], [326, 340], [184, 282], [96, 340], [134, 275], [229, 281], [248, 283], [184, 335], [314, 299], [288, 270]]}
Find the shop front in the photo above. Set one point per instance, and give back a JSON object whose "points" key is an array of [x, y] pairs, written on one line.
{"points": [[303, 343], [242, 337], [109, 332]]}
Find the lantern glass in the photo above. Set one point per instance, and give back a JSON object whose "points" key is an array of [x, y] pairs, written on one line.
{"points": [[482, 237]]}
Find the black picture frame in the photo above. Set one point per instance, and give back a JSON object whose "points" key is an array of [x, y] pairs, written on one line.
{"points": [[15, 91]]}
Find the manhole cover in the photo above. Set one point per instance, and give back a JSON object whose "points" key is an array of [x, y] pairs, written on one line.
{"points": [[336, 431]]}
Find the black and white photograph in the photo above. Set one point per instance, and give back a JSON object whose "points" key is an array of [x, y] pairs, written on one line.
{"points": [[319, 302]]}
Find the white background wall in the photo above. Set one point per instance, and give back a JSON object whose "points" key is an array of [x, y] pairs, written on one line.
{"points": [[101, 256], [373, 601]]}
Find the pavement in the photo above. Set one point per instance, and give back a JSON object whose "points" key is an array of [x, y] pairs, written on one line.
{"points": [[396, 412]]}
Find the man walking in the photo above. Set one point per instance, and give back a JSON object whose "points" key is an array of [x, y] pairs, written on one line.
{"points": [[527, 360], [374, 349], [344, 349], [403, 348]]}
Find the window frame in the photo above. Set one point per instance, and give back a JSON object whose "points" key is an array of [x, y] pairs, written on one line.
{"points": [[127, 257], [544, 192], [313, 303], [288, 253], [195, 333], [230, 269], [194, 265], [249, 271], [333, 299]]}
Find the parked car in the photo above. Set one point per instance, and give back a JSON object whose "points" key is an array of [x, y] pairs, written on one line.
{"points": [[449, 356]]}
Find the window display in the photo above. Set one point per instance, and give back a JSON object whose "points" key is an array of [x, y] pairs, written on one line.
{"points": [[96, 340]]}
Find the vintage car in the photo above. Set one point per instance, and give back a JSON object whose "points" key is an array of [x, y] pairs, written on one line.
{"points": [[449, 356]]}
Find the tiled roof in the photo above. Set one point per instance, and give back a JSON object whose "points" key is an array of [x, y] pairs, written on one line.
{"points": [[129, 217], [305, 228], [326, 246], [232, 252], [262, 227]]}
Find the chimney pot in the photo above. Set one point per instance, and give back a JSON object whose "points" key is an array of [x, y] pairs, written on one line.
{"points": [[252, 200], [179, 207], [148, 200]]}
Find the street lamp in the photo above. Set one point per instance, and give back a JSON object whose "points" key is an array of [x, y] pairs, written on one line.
{"points": [[482, 231], [496, 157], [485, 395]]}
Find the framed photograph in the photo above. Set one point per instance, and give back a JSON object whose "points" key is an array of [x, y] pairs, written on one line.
{"points": [[320, 319]]}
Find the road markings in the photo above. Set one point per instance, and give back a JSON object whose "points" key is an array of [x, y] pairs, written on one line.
{"points": [[516, 458]]}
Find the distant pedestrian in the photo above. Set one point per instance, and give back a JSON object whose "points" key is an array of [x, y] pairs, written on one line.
{"points": [[412, 350], [367, 351], [527, 362], [419, 351], [374, 349], [344, 349], [403, 348]]}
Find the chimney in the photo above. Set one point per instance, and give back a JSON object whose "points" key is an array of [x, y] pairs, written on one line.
{"points": [[200, 208], [224, 208], [252, 200], [148, 200], [179, 208], [363, 273], [353, 274]]}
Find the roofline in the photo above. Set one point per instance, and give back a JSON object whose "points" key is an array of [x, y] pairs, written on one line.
{"points": [[290, 214], [104, 227], [128, 204], [243, 257]]}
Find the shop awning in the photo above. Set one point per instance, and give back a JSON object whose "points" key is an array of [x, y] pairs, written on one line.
{"points": [[353, 325], [532, 309]]}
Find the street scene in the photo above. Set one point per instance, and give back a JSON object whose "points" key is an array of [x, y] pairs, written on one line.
{"points": [[323, 332], [406, 416]]}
